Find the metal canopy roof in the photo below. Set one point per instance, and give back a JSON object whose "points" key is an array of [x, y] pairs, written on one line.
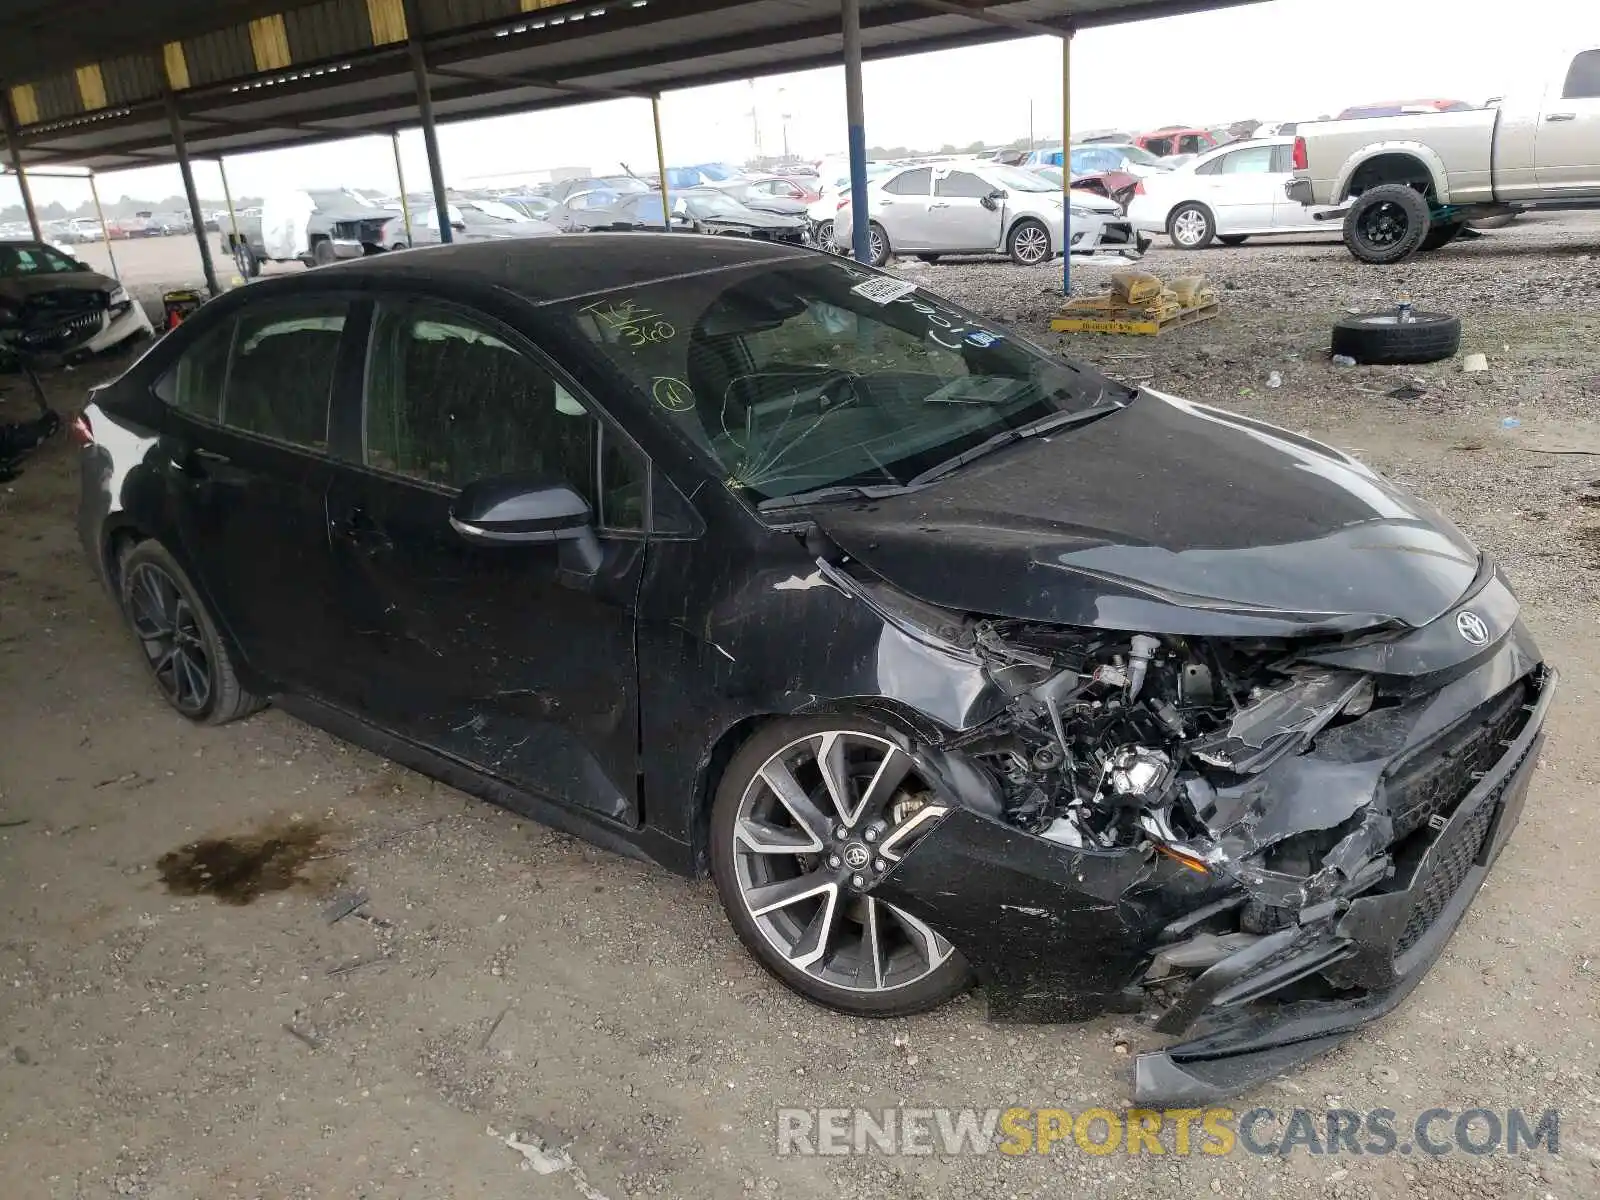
{"points": [[247, 75]]}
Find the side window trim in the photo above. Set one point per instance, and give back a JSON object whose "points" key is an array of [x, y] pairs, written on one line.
{"points": [[521, 344]]}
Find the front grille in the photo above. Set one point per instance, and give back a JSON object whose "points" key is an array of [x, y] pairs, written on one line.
{"points": [[1436, 777], [1451, 861], [63, 334]]}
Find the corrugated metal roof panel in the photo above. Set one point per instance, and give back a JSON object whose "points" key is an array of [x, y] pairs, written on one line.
{"points": [[131, 78], [327, 30], [57, 97], [441, 15], [218, 56]]}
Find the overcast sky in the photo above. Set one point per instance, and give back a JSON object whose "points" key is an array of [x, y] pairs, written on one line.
{"points": [[1281, 60]]}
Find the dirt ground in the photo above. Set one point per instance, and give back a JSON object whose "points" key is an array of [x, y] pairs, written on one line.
{"points": [[501, 976]]}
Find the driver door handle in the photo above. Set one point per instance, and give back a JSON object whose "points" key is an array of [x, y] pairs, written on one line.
{"points": [[939, 204], [361, 531]]}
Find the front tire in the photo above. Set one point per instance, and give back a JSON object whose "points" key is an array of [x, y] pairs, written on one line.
{"points": [[1191, 227], [878, 249], [245, 259], [185, 654], [807, 817], [1028, 243], [1387, 223]]}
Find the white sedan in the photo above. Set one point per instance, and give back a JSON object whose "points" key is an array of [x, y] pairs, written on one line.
{"points": [[1226, 195]]}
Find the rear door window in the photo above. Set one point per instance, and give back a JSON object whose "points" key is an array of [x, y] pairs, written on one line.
{"points": [[910, 183], [281, 373], [1583, 79], [194, 383]]}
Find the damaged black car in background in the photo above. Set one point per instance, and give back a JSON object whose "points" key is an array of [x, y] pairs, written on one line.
{"points": [[948, 658]]}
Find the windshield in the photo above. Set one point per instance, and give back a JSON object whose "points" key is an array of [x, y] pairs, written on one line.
{"points": [[813, 373], [1138, 154], [493, 208], [714, 205], [35, 260], [1017, 180], [718, 171], [1052, 175]]}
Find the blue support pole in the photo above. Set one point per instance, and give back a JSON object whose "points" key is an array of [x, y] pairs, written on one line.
{"points": [[855, 117]]}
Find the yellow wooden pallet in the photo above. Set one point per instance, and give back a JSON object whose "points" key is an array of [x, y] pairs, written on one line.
{"points": [[1129, 321]]}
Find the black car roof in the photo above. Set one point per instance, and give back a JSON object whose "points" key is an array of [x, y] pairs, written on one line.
{"points": [[550, 269]]}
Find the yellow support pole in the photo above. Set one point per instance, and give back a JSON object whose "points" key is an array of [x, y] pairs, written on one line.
{"points": [[400, 174], [661, 165], [105, 230], [233, 218]]}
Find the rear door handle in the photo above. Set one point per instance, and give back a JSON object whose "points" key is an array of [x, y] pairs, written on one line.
{"points": [[194, 461], [1561, 116], [939, 204]]}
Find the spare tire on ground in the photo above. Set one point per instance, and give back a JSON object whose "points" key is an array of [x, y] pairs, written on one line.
{"points": [[1384, 337]]}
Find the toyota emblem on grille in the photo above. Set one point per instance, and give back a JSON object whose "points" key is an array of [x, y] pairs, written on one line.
{"points": [[1470, 626]]}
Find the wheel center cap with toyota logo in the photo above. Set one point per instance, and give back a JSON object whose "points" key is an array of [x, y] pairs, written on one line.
{"points": [[1471, 627], [856, 856]]}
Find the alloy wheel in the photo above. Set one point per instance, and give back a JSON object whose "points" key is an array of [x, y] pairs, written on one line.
{"points": [[1032, 244], [1189, 227], [819, 824], [169, 631], [875, 246], [1384, 224]]}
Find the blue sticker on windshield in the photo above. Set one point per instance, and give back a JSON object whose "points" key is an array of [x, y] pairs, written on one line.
{"points": [[982, 339]]}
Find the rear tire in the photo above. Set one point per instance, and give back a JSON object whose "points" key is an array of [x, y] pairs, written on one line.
{"points": [[186, 655], [1191, 226], [1379, 338], [1386, 224], [245, 259]]}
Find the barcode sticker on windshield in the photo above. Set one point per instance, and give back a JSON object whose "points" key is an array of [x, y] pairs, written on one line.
{"points": [[884, 290]]}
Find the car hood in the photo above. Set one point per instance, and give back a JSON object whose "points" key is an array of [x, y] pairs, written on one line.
{"points": [[1093, 201], [1167, 517], [24, 288], [753, 219]]}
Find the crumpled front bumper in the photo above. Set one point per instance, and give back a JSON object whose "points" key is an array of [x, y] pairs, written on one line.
{"points": [[1383, 943], [1060, 933]]}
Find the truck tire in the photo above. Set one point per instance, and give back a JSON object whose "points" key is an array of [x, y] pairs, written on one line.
{"points": [[322, 253], [1387, 223], [1442, 235], [245, 259], [1380, 337]]}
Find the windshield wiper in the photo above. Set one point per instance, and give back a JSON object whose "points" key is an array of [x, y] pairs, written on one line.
{"points": [[1005, 437], [846, 491]]}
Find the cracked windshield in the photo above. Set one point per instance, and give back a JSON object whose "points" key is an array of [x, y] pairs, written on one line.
{"points": [[821, 376]]}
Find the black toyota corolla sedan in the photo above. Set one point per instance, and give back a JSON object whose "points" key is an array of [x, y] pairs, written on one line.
{"points": [[948, 658]]}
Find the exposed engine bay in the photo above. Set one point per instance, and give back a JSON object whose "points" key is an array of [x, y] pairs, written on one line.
{"points": [[1113, 740]]}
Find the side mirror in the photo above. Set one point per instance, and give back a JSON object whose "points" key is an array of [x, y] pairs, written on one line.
{"points": [[458, 224], [525, 510], [992, 200]]}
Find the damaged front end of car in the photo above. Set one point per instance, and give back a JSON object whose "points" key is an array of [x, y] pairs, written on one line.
{"points": [[1258, 843]]}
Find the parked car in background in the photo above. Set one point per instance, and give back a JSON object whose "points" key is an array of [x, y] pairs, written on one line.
{"points": [[641, 211], [1227, 195], [806, 189], [1410, 183], [977, 207], [165, 224], [1101, 158], [529, 205], [136, 225], [315, 227], [470, 221], [618, 185], [1170, 140], [100, 313]]}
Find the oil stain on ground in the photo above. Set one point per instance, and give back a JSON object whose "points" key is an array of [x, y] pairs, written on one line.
{"points": [[238, 869]]}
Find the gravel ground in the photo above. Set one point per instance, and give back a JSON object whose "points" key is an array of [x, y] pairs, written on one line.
{"points": [[504, 977]]}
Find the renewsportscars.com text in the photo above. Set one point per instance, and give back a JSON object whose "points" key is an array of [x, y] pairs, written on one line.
{"points": [[1211, 1131]]}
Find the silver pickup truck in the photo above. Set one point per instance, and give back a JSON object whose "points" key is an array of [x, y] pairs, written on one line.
{"points": [[1410, 183]]}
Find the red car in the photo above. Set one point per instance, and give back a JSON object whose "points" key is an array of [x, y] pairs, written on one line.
{"points": [[1178, 139]]}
